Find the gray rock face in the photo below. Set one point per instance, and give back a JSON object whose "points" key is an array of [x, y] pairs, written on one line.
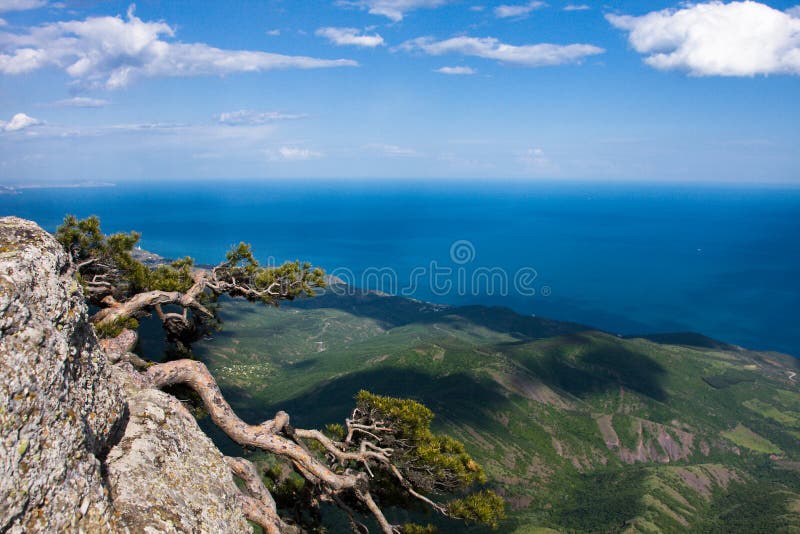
{"points": [[154, 443], [57, 404], [84, 447]]}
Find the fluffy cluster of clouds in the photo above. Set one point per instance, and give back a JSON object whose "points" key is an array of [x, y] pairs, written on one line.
{"points": [[457, 71], [739, 38], [519, 10], [536, 55], [350, 37], [20, 5], [716, 39], [393, 9], [109, 52], [20, 121]]}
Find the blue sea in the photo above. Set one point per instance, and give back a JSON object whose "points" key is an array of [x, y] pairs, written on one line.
{"points": [[629, 259]]}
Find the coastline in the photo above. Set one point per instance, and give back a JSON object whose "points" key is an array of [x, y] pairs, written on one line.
{"points": [[17, 189]]}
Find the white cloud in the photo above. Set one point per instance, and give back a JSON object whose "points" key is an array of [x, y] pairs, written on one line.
{"points": [[3, 23], [82, 102], [393, 9], [794, 11], [293, 153], [274, 33], [392, 150], [477, 9], [576, 7], [457, 70], [537, 55], [21, 5], [716, 39], [521, 10], [111, 52], [248, 117], [350, 36], [20, 121]]}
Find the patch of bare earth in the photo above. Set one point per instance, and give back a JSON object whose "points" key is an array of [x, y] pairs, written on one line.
{"points": [[704, 478], [655, 442], [529, 387], [788, 464], [604, 423], [537, 469], [557, 446], [795, 506]]}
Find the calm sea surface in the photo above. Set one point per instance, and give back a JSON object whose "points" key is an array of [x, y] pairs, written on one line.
{"points": [[724, 261]]}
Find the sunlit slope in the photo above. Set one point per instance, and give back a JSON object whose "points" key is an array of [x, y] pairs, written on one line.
{"points": [[580, 429]]}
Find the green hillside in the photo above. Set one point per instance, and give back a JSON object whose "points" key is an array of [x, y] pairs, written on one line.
{"points": [[580, 430]]}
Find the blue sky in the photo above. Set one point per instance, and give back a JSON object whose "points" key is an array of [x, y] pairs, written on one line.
{"points": [[418, 89]]}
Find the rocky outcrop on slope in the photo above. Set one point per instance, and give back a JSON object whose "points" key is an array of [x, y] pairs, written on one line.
{"points": [[654, 442], [83, 445]]}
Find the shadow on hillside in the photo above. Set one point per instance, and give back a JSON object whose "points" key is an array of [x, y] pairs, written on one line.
{"points": [[599, 366], [393, 311], [603, 501], [456, 397]]}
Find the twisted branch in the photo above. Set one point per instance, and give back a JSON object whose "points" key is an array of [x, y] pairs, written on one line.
{"points": [[258, 506], [140, 303], [263, 436], [266, 436]]}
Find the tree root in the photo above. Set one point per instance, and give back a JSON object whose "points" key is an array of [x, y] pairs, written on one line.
{"points": [[268, 436]]}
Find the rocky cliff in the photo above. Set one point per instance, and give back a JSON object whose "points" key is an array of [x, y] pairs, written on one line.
{"points": [[83, 445]]}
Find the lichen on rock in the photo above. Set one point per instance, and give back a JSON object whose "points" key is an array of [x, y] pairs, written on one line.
{"points": [[83, 446], [59, 407], [188, 468]]}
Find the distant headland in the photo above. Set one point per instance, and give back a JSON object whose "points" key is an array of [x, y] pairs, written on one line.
{"points": [[17, 189]]}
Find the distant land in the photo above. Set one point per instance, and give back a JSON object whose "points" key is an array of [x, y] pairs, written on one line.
{"points": [[17, 189]]}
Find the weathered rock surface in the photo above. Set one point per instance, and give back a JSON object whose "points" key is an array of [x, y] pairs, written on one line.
{"points": [[57, 404], [83, 446], [655, 442], [194, 477]]}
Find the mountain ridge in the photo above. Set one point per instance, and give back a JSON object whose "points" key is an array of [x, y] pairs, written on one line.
{"points": [[542, 404]]}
